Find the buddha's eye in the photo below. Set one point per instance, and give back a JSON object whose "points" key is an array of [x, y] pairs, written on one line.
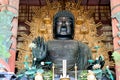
{"points": [[59, 23], [67, 23]]}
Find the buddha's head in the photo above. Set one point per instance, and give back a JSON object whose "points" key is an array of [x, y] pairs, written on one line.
{"points": [[63, 25]]}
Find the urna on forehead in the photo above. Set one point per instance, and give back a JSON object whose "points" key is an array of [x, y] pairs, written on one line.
{"points": [[63, 19]]}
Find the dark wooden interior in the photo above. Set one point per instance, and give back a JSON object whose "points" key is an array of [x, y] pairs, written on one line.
{"points": [[102, 11]]}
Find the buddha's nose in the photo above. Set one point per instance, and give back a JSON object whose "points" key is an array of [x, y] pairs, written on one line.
{"points": [[63, 23]]}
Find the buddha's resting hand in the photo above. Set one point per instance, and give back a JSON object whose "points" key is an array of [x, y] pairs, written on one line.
{"points": [[39, 51]]}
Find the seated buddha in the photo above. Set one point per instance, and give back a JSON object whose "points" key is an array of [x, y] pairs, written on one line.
{"points": [[64, 47]]}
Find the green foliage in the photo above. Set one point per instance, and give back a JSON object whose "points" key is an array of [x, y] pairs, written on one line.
{"points": [[116, 56], [117, 16], [26, 63], [3, 52], [83, 75], [96, 47], [6, 18], [47, 75]]}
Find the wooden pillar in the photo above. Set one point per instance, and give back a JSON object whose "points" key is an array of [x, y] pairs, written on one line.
{"points": [[15, 4], [3, 2], [12, 6], [115, 13]]}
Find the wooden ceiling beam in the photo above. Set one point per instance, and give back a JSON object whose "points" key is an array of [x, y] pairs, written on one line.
{"points": [[84, 2], [25, 25]]}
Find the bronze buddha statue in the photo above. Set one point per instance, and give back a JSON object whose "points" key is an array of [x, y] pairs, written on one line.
{"points": [[63, 46]]}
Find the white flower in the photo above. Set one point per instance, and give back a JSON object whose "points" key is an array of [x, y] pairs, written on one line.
{"points": [[91, 75], [38, 76], [42, 63], [107, 66], [96, 66], [32, 45], [30, 68], [34, 59]]}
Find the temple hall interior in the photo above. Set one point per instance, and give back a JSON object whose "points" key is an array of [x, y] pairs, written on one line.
{"points": [[60, 39]]}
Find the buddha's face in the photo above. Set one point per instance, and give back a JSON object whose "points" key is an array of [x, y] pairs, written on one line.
{"points": [[63, 27]]}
